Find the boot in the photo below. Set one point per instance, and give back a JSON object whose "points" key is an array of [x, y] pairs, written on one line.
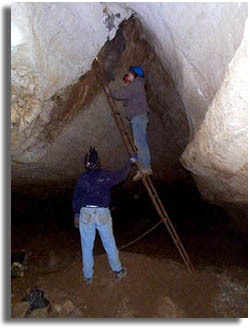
{"points": [[137, 176], [141, 173], [121, 274], [148, 172], [87, 281]]}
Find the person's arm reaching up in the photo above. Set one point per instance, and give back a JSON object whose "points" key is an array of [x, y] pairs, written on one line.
{"points": [[119, 176]]}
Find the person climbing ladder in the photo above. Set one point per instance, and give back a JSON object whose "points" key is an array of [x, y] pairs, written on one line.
{"points": [[137, 113], [145, 179]]}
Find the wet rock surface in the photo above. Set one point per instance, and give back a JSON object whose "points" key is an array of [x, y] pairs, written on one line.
{"points": [[232, 297]]}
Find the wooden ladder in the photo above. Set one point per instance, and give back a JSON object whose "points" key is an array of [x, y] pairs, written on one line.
{"points": [[131, 148]]}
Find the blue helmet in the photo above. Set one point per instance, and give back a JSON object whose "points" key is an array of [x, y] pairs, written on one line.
{"points": [[138, 70]]}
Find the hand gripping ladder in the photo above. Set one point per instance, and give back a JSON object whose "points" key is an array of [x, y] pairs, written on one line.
{"points": [[131, 148]]}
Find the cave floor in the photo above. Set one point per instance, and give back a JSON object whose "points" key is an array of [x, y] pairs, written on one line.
{"points": [[156, 286]]}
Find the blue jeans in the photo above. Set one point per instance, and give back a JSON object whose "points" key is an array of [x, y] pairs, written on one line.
{"points": [[92, 219], [139, 127]]}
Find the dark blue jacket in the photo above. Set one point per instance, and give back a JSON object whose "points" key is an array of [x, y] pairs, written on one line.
{"points": [[93, 187]]}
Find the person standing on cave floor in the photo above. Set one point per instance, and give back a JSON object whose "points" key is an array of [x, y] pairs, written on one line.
{"points": [[91, 200], [137, 114]]}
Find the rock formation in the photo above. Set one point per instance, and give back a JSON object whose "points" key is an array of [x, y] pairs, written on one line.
{"points": [[195, 59]]}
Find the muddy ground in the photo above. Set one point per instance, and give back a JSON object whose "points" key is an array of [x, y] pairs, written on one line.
{"points": [[157, 284]]}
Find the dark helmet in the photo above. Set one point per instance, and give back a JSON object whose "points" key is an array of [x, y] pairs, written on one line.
{"points": [[137, 70], [92, 161]]}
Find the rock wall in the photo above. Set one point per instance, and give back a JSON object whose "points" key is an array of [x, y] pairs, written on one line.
{"points": [[186, 50], [52, 45], [51, 151], [195, 43], [57, 42], [218, 154]]}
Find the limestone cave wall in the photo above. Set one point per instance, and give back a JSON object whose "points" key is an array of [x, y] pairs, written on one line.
{"points": [[195, 58]]}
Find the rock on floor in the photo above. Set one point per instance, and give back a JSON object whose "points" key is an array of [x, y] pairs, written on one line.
{"points": [[19, 309], [143, 293], [166, 308]]}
